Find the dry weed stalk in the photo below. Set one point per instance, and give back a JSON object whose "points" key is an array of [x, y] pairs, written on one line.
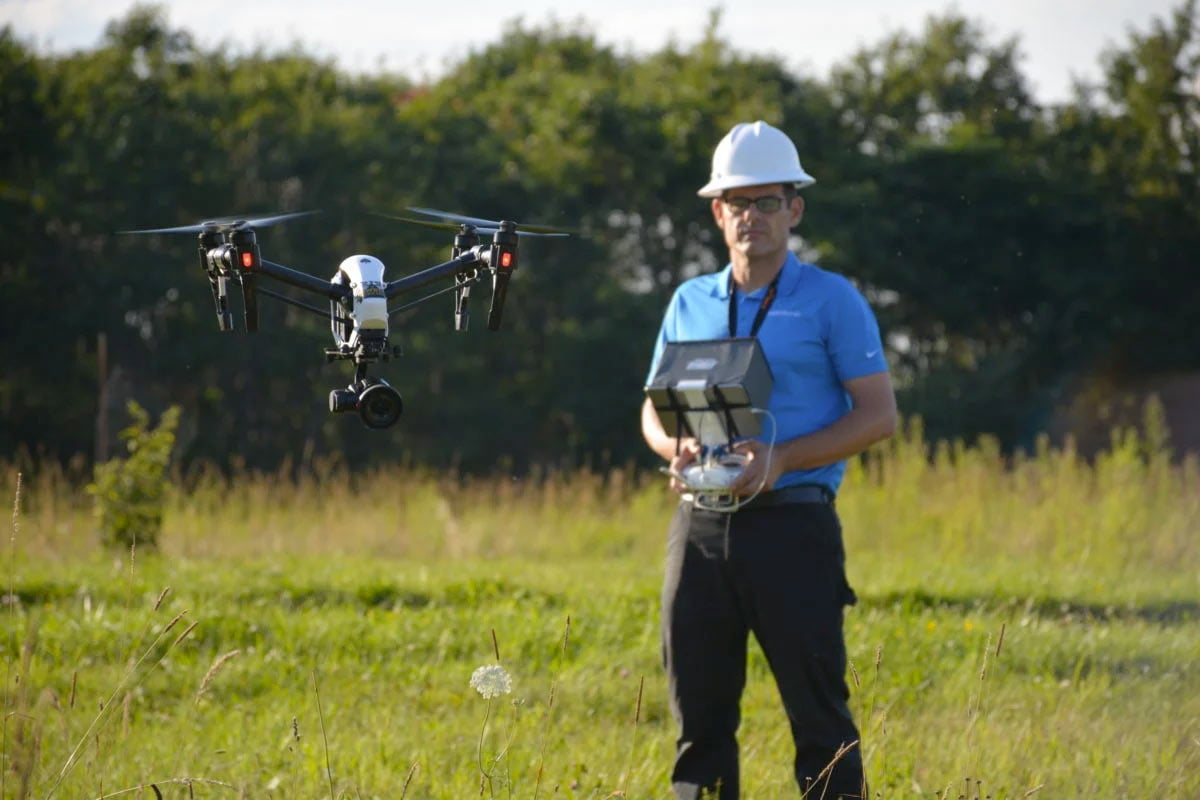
{"points": [[153, 786], [209, 676], [11, 603], [324, 737], [549, 710], [130, 680], [407, 780], [637, 717], [823, 775]]}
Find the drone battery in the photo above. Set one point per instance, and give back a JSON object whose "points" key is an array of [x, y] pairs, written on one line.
{"points": [[708, 389]]}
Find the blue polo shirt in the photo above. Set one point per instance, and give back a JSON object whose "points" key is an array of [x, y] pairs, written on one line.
{"points": [[818, 333]]}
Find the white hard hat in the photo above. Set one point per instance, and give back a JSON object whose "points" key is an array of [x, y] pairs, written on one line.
{"points": [[751, 154]]}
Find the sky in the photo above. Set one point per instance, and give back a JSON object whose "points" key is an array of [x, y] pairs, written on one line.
{"points": [[1060, 40]]}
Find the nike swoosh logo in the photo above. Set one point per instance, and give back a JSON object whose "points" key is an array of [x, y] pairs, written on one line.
{"points": [[872, 353]]}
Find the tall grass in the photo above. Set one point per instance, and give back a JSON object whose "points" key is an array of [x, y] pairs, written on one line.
{"points": [[1123, 521], [1131, 509], [1028, 626]]}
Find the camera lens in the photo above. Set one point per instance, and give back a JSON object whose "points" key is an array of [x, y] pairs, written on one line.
{"points": [[379, 405], [341, 400]]}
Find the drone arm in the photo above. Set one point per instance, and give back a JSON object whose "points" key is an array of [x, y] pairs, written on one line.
{"points": [[462, 285], [324, 312], [303, 280], [462, 263]]}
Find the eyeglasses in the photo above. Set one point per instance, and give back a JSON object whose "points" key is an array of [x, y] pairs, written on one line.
{"points": [[767, 204]]}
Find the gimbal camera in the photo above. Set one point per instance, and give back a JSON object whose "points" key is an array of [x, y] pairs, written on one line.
{"points": [[358, 295]]}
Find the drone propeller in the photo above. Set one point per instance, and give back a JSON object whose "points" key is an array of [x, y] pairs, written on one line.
{"points": [[226, 224], [477, 221], [453, 226], [480, 224]]}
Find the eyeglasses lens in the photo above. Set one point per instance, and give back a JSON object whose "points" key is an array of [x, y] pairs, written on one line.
{"points": [[767, 205]]}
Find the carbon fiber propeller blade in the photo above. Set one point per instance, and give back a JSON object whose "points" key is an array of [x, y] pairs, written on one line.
{"points": [[228, 223], [488, 223], [480, 226]]}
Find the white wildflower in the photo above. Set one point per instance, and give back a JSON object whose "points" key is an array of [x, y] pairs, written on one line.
{"points": [[491, 680]]}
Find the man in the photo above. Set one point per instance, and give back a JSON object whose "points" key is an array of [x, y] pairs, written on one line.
{"points": [[775, 566]]}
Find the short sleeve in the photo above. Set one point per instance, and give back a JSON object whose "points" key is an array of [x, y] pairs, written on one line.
{"points": [[855, 345], [664, 335]]}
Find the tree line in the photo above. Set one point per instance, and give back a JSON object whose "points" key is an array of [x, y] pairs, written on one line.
{"points": [[1009, 247]]}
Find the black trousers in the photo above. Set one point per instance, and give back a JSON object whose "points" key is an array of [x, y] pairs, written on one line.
{"points": [[778, 572]]}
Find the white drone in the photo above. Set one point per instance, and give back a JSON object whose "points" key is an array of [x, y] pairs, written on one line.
{"points": [[358, 295]]}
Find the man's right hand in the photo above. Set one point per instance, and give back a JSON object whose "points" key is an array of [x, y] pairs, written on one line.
{"points": [[689, 451]]}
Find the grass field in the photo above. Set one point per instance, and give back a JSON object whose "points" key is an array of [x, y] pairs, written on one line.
{"points": [[1026, 628]]}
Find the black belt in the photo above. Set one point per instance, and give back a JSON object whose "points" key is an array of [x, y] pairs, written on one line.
{"points": [[808, 493]]}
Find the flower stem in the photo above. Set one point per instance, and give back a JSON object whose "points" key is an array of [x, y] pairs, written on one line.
{"points": [[479, 750]]}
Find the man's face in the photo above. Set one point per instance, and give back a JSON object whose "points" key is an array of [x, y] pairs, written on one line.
{"points": [[752, 232]]}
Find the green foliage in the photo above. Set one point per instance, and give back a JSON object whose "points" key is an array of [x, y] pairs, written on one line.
{"points": [[130, 494], [1005, 245]]}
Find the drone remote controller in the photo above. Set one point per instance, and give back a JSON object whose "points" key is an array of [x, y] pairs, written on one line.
{"points": [[714, 474]]}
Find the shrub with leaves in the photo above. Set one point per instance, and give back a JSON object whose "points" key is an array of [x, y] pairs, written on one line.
{"points": [[130, 493]]}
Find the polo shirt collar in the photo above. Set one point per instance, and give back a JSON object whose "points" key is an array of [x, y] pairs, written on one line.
{"points": [[788, 281]]}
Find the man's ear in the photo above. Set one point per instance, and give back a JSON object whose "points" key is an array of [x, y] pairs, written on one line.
{"points": [[797, 210], [718, 212]]}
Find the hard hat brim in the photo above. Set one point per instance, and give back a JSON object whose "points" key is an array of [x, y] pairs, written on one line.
{"points": [[717, 186]]}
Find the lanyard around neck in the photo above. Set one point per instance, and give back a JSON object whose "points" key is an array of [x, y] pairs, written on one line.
{"points": [[763, 307]]}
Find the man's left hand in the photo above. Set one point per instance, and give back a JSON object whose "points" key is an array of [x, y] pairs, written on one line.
{"points": [[762, 468]]}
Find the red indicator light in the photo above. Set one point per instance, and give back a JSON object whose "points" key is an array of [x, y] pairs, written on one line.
{"points": [[506, 259], [248, 260]]}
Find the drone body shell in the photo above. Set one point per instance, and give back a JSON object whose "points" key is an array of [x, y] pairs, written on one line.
{"points": [[369, 305]]}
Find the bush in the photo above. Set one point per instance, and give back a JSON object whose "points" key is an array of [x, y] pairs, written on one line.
{"points": [[130, 493]]}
